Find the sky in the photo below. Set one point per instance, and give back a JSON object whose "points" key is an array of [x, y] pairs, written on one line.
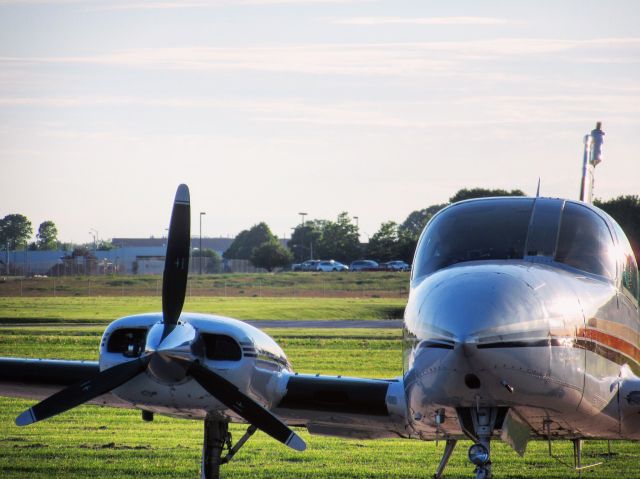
{"points": [[269, 108]]}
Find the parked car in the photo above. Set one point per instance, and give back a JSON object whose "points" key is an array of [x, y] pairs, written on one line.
{"points": [[395, 266], [364, 265], [331, 265], [309, 265]]}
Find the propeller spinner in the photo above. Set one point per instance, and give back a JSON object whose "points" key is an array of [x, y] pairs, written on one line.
{"points": [[169, 355]]}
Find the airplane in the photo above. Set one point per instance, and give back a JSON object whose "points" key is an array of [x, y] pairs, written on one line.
{"points": [[522, 323]]}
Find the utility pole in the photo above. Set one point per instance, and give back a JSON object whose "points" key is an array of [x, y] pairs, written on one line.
{"points": [[202, 213], [302, 215], [94, 232]]}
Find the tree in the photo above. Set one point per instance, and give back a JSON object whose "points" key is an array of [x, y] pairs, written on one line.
{"points": [[270, 255], [15, 231], [339, 240], [416, 221], [247, 240], [406, 246], [304, 240], [104, 245], [626, 211], [47, 236], [466, 194], [383, 245], [211, 260]]}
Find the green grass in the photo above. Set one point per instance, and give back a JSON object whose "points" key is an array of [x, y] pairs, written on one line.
{"points": [[285, 284], [103, 443], [94, 443], [356, 352], [106, 309]]}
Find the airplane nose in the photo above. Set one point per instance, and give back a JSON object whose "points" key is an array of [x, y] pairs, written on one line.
{"points": [[484, 331], [471, 304]]}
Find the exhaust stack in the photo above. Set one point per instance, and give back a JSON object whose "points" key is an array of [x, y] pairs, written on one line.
{"points": [[592, 157]]}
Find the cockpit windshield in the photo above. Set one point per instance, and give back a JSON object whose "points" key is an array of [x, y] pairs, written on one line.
{"points": [[477, 230], [585, 242]]}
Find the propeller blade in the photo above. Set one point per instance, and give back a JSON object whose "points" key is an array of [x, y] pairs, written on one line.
{"points": [[227, 393], [176, 264], [83, 391]]}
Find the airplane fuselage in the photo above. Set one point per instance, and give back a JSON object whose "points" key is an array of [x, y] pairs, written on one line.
{"points": [[533, 335]]}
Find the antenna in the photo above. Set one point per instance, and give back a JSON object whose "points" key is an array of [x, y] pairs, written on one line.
{"points": [[592, 157], [538, 190]]}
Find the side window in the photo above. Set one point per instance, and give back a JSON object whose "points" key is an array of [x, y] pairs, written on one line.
{"points": [[629, 265], [585, 242]]}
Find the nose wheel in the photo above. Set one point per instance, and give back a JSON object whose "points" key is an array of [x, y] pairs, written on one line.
{"points": [[480, 456], [478, 424]]}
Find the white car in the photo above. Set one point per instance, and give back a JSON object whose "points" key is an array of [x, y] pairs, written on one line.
{"points": [[331, 265], [396, 266]]}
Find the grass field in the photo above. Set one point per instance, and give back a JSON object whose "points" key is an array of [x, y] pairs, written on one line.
{"points": [[102, 310], [93, 442], [285, 284]]}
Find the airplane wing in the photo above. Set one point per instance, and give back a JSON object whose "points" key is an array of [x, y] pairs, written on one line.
{"points": [[40, 378], [345, 407], [326, 405]]}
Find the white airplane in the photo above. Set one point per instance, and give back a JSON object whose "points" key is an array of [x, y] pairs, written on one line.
{"points": [[522, 324]]}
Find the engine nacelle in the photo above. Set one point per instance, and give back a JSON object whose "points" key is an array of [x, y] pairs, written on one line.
{"points": [[242, 354]]}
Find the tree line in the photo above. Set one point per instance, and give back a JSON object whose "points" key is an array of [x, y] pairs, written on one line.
{"points": [[339, 239], [16, 230], [320, 238]]}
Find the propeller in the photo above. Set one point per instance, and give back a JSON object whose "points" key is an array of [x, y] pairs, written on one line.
{"points": [[176, 263], [252, 412], [164, 356]]}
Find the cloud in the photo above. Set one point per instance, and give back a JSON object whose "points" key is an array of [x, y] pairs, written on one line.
{"points": [[374, 21], [419, 60], [164, 4], [464, 111], [385, 59]]}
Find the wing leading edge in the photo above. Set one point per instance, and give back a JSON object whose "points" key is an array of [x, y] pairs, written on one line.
{"points": [[345, 407], [39, 378]]}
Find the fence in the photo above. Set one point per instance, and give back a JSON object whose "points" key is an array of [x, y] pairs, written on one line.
{"points": [[329, 285]]}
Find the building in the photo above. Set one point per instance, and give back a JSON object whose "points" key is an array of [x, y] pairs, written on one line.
{"points": [[129, 256]]}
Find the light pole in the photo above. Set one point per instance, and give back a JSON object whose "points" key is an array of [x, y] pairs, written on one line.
{"points": [[95, 238], [302, 215], [202, 213]]}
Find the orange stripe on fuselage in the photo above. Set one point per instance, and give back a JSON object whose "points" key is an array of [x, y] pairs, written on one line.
{"points": [[615, 343]]}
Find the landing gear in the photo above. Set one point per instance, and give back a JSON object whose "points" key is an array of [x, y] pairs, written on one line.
{"points": [[448, 450], [479, 455], [478, 423], [217, 439]]}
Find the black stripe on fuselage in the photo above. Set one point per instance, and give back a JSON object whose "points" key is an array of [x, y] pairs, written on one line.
{"points": [[532, 343], [436, 344], [582, 343]]}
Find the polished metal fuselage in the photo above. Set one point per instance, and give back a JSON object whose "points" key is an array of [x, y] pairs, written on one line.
{"points": [[546, 341]]}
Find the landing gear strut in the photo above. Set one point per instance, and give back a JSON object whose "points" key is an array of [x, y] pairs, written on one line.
{"points": [[448, 449], [478, 423], [217, 439]]}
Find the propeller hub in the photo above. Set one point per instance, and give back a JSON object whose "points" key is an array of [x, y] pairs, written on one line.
{"points": [[171, 347]]}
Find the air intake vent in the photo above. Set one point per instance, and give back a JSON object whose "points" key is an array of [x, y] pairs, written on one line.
{"points": [[221, 348], [127, 341]]}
